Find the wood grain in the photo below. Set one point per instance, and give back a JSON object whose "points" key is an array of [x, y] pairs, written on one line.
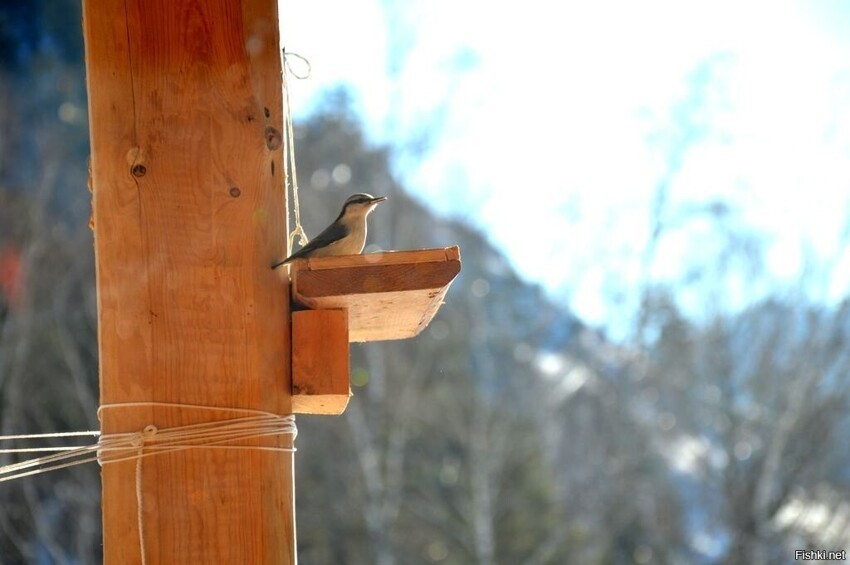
{"points": [[188, 212], [392, 295], [320, 362]]}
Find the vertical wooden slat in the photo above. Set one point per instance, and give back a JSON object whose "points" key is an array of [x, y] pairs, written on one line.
{"points": [[189, 214], [320, 362]]}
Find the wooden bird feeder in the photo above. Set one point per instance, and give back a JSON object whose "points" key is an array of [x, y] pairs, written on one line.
{"points": [[372, 297]]}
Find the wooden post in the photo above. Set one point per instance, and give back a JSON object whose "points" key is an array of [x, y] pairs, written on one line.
{"points": [[189, 214]]}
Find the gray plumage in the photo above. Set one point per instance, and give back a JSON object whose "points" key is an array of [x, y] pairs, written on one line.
{"points": [[345, 236]]}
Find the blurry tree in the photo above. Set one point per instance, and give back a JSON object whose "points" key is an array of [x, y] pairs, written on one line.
{"points": [[749, 403], [753, 413], [48, 368], [508, 432], [445, 464]]}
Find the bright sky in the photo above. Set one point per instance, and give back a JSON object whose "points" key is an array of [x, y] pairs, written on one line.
{"points": [[557, 122]]}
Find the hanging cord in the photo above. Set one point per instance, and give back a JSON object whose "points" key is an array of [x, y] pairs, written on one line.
{"points": [[289, 144], [148, 433]]}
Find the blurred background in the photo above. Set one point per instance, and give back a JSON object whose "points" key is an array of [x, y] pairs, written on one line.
{"points": [[645, 358]]}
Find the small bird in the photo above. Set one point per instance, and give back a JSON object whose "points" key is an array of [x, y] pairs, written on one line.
{"points": [[345, 236]]}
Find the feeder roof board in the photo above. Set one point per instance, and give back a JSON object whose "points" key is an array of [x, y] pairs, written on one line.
{"points": [[389, 295]]}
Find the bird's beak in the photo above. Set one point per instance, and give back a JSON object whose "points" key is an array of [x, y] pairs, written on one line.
{"points": [[379, 199]]}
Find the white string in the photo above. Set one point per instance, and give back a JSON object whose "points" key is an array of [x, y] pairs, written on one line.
{"points": [[59, 434], [289, 146], [140, 500], [118, 447], [112, 448], [36, 449], [308, 70], [94, 433]]}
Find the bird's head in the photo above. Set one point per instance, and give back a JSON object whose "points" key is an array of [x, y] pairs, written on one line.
{"points": [[360, 204]]}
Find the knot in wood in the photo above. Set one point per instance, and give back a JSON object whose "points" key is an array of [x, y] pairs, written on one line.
{"points": [[273, 138]]}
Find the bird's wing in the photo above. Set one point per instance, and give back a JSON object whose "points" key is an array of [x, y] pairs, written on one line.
{"points": [[330, 234]]}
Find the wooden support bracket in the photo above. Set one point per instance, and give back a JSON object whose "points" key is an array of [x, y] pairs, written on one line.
{"points": [[370, 297], [320, 368]]}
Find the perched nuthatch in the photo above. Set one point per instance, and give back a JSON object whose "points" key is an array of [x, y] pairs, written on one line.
{"points": [[345, 236]]}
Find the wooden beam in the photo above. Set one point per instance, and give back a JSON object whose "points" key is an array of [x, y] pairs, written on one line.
{"points": [[320, 362], [188, 213], [391, 295]]}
